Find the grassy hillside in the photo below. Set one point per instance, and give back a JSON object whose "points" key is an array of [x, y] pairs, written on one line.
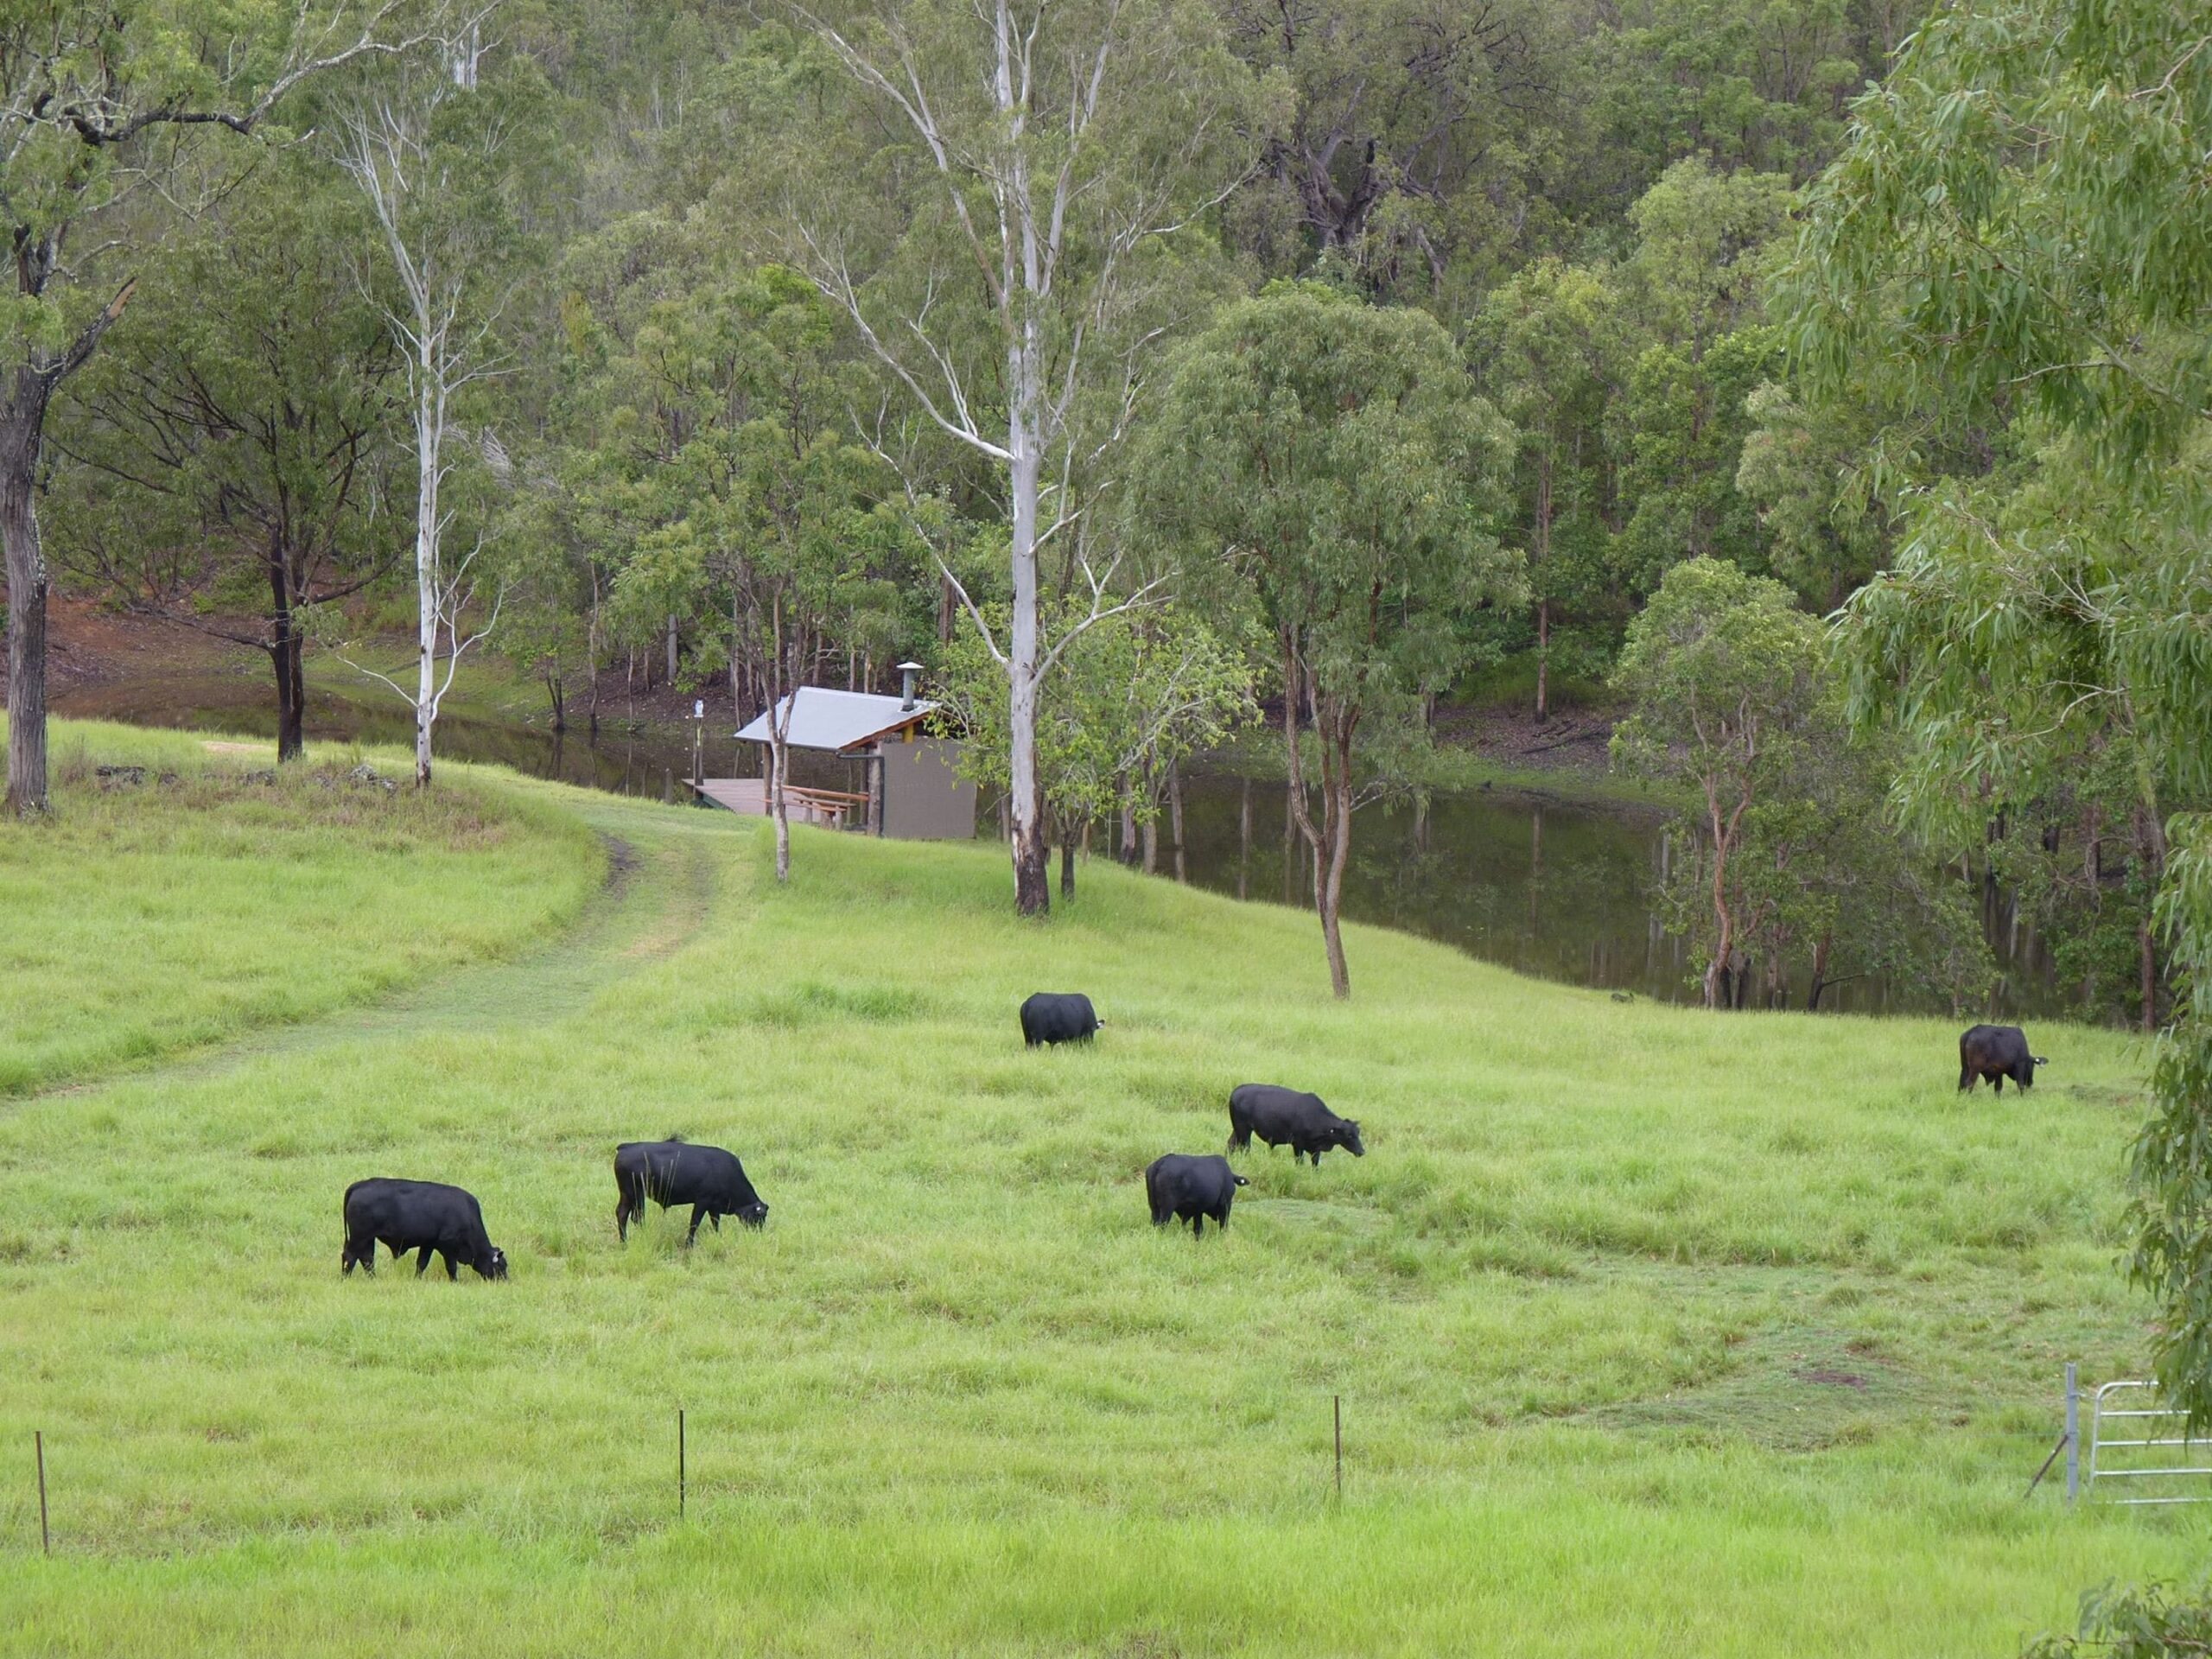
{"points": [[212, 894], [1656, 1332]]}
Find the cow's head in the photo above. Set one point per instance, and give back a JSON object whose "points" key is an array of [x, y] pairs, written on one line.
{"points": [[1240, 1180], [754, 1214], [493, 1264], [1347, 1135]]}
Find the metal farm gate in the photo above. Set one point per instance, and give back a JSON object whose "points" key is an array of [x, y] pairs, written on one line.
{"points": [[2142, 1448]]}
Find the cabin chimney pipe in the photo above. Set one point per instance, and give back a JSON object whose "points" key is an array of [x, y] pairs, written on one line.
{"points": [[908, 672]]}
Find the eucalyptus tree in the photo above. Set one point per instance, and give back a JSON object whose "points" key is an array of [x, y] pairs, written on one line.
{"points": [[1724, 674], [1549, 347], [2018, 237], [431, 149], [1137, 694], [1824, 541], [1692, 293], [1004, 199], [1332, 463], [96, 102], [1417, 138], [1789, 859], [227, 454], [1749, 84]]}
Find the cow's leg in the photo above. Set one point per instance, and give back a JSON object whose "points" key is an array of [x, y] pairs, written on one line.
{"points": [[698, 1214], [1966, 1078], [423, 1261], [716, 1216], [453, 1264], [1197, 1224], [1997, 1082], [622, 1218]]}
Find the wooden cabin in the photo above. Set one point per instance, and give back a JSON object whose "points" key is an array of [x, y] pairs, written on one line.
{"points": [[914, 790]]}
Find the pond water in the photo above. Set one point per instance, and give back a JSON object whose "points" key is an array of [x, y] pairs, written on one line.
{"points": [[1555, 887], [1551, 886], [1532, 882]]}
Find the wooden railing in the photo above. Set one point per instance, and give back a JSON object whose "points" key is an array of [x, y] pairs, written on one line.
{"points": [[828, 806]]}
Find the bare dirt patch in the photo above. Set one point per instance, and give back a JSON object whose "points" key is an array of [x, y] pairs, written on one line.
{"points": [[1569, 740], [89, 646]]}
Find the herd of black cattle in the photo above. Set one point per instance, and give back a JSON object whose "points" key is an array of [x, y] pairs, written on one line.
{"points": [[447, 1222]]}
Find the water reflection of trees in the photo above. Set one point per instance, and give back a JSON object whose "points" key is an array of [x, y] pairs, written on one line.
{"points": [[1567, 901], [1546, 886]]}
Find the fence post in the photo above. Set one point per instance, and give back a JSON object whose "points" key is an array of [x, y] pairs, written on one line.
{"points": [[1339, 1402], [2073, 1435], [682, 1474], [45, 1536]]}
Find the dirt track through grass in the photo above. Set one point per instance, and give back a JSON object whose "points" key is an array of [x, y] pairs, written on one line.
{"points": [[195, 891], [654, 900]]}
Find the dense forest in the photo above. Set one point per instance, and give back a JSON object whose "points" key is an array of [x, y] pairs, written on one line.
{"points": [[1148, 368]]}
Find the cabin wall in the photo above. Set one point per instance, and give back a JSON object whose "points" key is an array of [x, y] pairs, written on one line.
{"points": [[923, 797]]}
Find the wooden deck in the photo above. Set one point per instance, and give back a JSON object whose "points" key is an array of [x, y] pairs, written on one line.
{"points": [[749, 796]]}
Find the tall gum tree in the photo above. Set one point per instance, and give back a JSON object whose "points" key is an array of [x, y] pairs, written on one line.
{"points": [[2019, 237], [431, 153], [1721, 667], [230, 446], [1008, 210], [94, 101], [1548, 348], [1332, 463]]}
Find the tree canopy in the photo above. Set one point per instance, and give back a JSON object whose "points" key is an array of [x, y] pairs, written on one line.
{"points": [[2014, 244], [1331, 465]]}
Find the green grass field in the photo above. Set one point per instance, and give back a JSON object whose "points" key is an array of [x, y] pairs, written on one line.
{"points": [[1656, 1332], [209, 897]]}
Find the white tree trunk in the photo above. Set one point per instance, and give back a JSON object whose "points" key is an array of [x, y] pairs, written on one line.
{"points": [[429, 435], [779, 731], [1032, 887], [779, 764]]}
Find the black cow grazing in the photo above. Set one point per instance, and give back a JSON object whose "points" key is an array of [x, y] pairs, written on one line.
{"points": [[1182, 1188], [674, 1172], [1997, 1052], [1058, 1017], [1280, 1115], [426, 1216]]}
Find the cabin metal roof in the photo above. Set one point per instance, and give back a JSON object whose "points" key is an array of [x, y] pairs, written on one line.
{"points": [[838, 720]]}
